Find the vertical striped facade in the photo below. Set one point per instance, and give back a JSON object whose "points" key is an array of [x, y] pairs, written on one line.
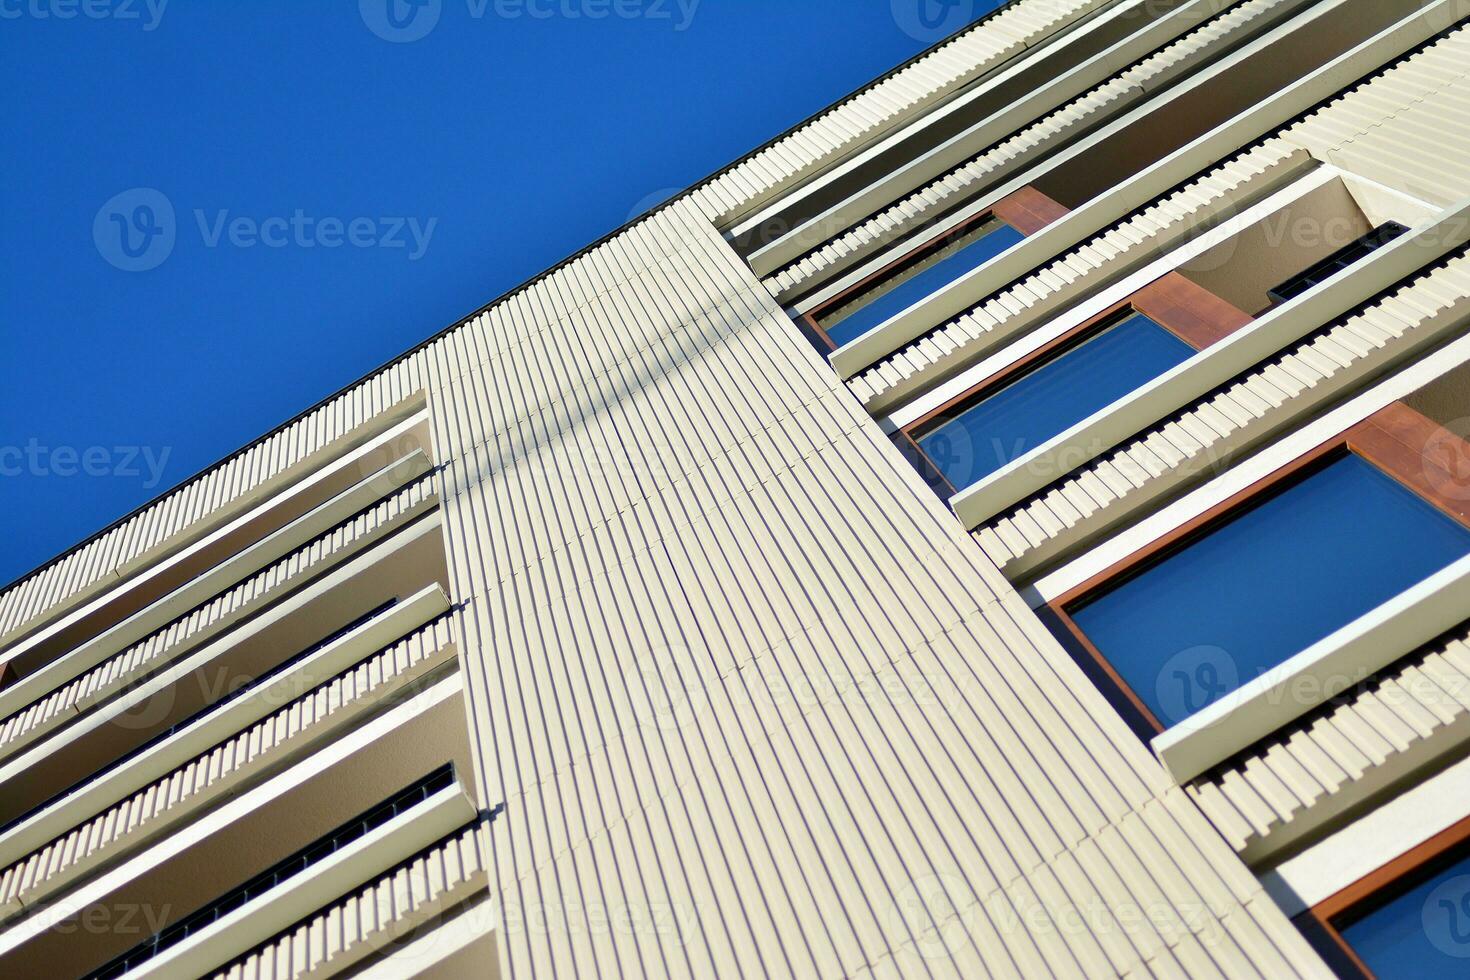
{"points": [[625, 628]]}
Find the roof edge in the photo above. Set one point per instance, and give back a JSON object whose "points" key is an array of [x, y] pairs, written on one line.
{"points": [[461, 321]]}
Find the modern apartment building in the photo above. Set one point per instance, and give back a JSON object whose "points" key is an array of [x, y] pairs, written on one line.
{"points": [[1016, 523]]}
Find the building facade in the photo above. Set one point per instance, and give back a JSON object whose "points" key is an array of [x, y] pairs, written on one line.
{"points": [[1016, 523]]}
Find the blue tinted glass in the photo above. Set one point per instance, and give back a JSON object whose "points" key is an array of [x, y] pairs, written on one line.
{"points": [[1268, 584], [1051, 399], [1423, 933], [884, 305]]}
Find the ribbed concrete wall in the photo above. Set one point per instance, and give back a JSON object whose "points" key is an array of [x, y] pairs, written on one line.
{"points": [[743, 681], [1409, 127], [735, 674], [750, 697], [1069, 122]]}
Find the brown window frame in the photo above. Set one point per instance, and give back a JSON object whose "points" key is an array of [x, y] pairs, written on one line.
{"points": [[1317, 925], [928, 472], [1387, 440], [1027, 211], [1188, 311]]}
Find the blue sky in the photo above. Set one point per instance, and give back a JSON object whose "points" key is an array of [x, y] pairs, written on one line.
{"points": [[216, 212]]}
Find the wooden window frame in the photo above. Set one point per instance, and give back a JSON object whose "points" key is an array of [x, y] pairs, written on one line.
{"points": [[1188, 311], [1317, 925], [928, 472], [1391, 440], [1027, 211]]}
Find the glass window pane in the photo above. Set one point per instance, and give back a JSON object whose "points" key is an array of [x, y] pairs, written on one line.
{"points": [[928, 275], [1423, 932], [1051, 399], [1244, 597]]}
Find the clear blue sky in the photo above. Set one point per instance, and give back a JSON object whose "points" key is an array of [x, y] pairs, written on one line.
{"points": [[296, 141]]}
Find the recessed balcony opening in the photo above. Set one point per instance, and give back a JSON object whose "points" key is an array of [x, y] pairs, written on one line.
{"points": [[233, 534], [985, 432], [964, 111], [303, 862], [1190, 115], [1036, 390], [395, 568], [1267, 584], [1406, 919], [913, 278], [245, 835], [1334, 535], [1316, 238]]}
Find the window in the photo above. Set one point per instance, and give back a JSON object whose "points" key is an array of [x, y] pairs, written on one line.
{"points": [[990, 429], [1393, 939], [1202, 613], [895, 290], [1410, 918], [1337, 262]]}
